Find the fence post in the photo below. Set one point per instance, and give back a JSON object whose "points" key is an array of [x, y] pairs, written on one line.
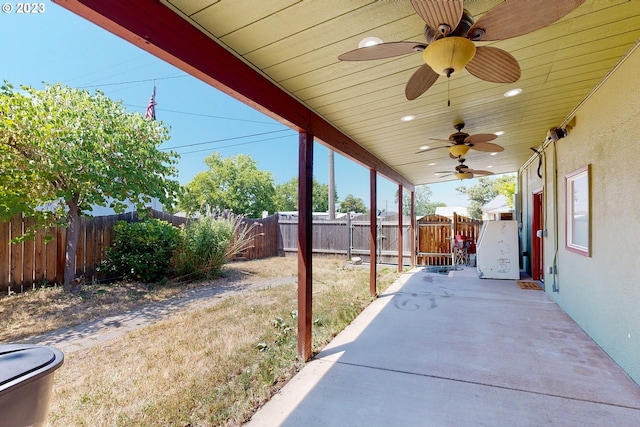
{"points": [[350, 235]]}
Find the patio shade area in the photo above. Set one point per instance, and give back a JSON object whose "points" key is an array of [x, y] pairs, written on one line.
{"points": [[438, 350]]}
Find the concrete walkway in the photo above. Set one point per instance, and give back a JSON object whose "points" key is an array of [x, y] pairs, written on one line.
{"points": [[437, 350]]}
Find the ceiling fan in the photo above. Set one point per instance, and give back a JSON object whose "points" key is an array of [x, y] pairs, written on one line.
{"points": [[463, 171], [461, 142], [450, 33]]}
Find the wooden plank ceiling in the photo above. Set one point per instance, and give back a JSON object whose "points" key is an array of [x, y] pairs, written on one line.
{"points": [[296, 44]]}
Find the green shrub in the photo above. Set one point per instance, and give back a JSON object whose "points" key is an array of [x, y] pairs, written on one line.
{"points": [[142, 250]]}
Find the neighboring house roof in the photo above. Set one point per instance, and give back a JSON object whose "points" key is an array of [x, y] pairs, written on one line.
{"points": [[498, 204], [449, 210], [105, 210]]}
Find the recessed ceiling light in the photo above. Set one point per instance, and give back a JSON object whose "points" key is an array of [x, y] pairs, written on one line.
{"points": [[432, 164], [489, 167], [424, 147], [512, 92], [369, 41], [493, 154], [500, 132], [407, 118]]}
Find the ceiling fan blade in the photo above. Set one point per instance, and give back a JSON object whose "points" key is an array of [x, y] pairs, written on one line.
{"points": [[494, 65], [438, 12], [423, 78], [444, 176], [477, 172], [380, 51], [480, 137], [487, 147], [514, 18]]}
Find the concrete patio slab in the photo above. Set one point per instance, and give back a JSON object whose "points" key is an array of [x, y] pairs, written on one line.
{"points": [[456, 350]]}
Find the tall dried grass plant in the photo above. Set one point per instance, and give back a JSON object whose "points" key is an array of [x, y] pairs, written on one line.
{"points": [[210, 242]]}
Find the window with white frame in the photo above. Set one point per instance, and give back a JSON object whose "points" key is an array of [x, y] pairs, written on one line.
{"points": [[578, 215]]}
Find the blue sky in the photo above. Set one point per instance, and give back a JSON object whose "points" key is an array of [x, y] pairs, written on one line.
{"points": [[58, 46]]}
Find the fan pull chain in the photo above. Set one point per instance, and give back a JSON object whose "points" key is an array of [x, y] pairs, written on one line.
{"points": [[448, 96]]}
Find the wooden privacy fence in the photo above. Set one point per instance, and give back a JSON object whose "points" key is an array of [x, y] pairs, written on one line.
{"points": [[267, 241], [34, 263], [349, 236], [436, 234]]}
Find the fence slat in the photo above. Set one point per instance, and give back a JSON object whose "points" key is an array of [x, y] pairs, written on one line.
{"points": [[28, 261], [40, 260], [91, 257], [5, 252], [15, 278], [51, 250]]}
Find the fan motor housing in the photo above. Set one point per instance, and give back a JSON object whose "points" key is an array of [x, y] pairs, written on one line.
{"points": [[465, 24]]}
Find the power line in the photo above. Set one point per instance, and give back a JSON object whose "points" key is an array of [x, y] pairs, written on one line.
{"points": [[232, 145], [135, 81], [101, 70], [224, 139], [205, 115]]}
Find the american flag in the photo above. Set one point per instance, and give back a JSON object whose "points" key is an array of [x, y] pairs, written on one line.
{"points": [[151, 108]]}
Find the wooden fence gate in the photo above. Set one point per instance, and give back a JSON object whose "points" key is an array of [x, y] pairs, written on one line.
{"points": [[436, 234]]}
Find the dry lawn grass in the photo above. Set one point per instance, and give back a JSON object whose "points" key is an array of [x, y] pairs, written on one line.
{"points": [[213, 366], [48, 309]]}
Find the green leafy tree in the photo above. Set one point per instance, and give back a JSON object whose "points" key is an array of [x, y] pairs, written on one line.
{"points": [[286, 197], [233, 183], [423, 203], [68, 149], [485, 190], [506, 185], [353, 204]]}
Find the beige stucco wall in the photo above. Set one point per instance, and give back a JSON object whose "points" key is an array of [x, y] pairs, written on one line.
{"points": [[601, 292]]}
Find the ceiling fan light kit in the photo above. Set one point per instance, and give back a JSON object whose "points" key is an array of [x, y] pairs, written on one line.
{"points": [[449, 55], [459, 150], [464, 175], [463, 171]]}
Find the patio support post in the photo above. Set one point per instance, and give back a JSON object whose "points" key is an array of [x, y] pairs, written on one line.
{"points": [[305, 224], [373, 232], [412, 230], [400, 242]]}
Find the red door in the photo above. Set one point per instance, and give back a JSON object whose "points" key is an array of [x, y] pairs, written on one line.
{"points": [[537, 243]]}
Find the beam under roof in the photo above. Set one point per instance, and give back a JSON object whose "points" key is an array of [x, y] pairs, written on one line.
{"points": [[160, 31]]}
